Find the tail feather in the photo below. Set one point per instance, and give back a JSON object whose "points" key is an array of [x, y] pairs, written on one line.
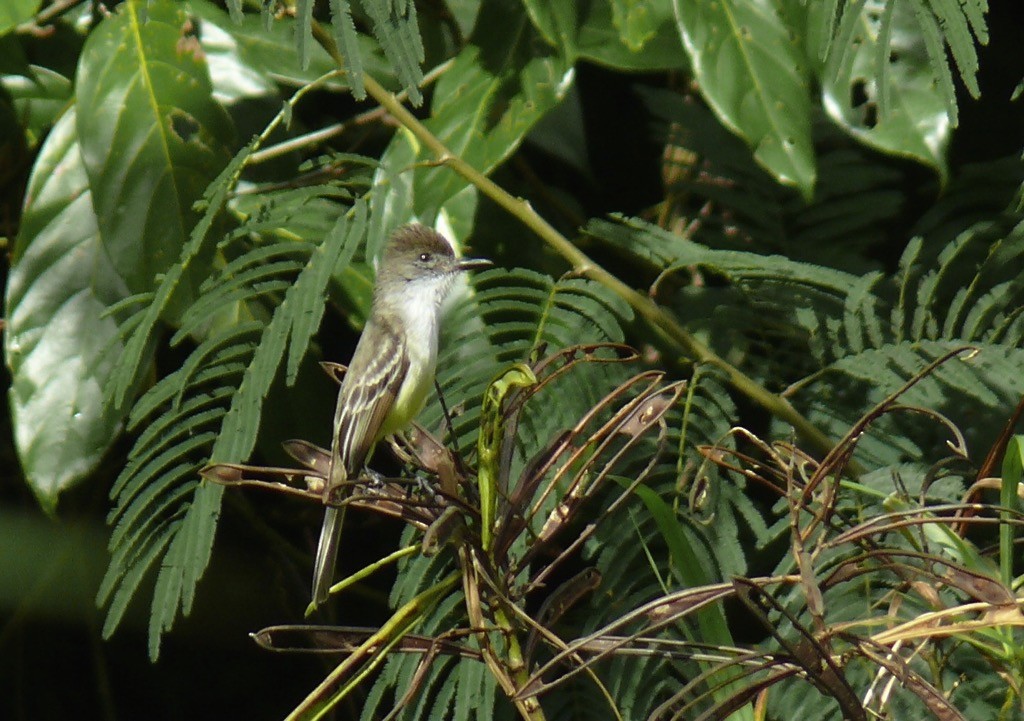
{"points": [[326, 554]]}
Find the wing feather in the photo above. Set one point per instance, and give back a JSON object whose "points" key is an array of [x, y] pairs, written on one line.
{"points": [[367, 395], [368, 392]]}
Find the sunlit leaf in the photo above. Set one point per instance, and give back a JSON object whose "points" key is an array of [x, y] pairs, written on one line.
{"points": [[882, 89], [752, 72], [483, 107], [152, 135], [59, 346], [624, 34]]}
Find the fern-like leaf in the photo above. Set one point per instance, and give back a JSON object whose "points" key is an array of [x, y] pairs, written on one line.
{"points": [[212, 406], [348, 44], [870, 330]]}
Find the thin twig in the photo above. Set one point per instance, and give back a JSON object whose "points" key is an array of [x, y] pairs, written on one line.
{"points": [[332, 131], [47, 15]]}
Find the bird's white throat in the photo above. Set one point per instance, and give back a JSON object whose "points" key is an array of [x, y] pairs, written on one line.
{"points": [[420, 310]]}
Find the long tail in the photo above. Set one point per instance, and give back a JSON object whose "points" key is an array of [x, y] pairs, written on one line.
{"points": [[326, 554]]}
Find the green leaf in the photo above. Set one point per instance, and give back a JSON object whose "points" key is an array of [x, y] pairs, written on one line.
{"points": [[636, 21], [881, 88], [143, 329], [213, 406], [152, 135], [752, 72], [622, 34], [15, 12], [125, 192], [483, 108], [712, 623], [40, 95], [557, 23], [59, 345], [304, 31], [269, 51], [489, 442], [474, 89], [347, 38], [960, 23], [601, 41], [397, 31], [936, 25], [248, 54], [234, 75], [1013, 465]]}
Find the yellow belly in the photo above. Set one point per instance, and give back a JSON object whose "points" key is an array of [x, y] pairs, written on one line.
{"points": [[411, 397]]}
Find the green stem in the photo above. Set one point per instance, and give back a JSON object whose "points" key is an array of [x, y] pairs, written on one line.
{"points": [[367, 571], [323, 134], [516, 665], [666, 325], [47, 15], [1013, 469], [371, 653], [509, 670]]}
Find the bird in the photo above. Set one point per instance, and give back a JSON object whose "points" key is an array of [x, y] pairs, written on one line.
{"points": [[392, 368]]}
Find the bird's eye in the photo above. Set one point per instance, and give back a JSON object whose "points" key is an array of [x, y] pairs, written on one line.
{"points": [[424, 257]]}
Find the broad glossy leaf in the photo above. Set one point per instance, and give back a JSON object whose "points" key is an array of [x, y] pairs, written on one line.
{"points": [[269, 51], [233, 76], [483, 107], [59, 347], [112, 198], [752, 72], [15, 12], [880, 86], [152, 137]]}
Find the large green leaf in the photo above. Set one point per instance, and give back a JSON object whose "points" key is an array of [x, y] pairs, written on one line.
{"points": [[483, 107], [880, 87], [751, 70], [15, 12], [59, 345], [623, 34], [109, 205], [152, 137]]}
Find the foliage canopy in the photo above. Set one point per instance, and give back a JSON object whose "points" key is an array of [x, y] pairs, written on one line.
{"points": [[827, 302]]}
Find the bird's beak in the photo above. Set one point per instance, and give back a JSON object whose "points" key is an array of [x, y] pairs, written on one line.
{"points": [[472, 264]]}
